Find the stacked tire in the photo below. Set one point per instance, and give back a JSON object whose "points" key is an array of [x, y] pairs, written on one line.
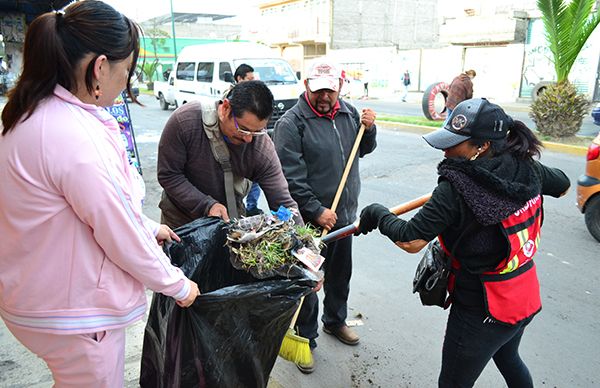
{"points": [[434, 101]]}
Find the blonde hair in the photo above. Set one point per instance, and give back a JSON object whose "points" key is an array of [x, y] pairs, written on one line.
{"points": [[471, 73]]}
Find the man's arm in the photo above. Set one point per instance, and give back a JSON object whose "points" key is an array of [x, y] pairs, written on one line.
{"points": [[288, 144], [172, 158]]}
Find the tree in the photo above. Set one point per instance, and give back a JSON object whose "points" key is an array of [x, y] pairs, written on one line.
{"points": [[560, 109], [149, 71], [158, 38]]}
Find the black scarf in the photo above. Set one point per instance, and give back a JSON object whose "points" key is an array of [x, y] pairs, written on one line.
{"points": [[492, 188]]}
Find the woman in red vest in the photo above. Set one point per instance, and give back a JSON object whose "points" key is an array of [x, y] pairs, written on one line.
{"points": [[489, 196]]}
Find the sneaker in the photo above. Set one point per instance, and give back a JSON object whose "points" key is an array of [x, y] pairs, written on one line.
{"points": [[344, 334], [307, 368]]}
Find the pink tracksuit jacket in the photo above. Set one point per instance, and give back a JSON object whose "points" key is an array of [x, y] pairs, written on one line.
{"points": [[75, 248]]}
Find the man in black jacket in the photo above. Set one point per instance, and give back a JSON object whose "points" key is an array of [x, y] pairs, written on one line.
{"points": [[313, 140]]}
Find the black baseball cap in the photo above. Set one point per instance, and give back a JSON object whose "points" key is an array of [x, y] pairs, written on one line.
{"points": [[476, 118]]}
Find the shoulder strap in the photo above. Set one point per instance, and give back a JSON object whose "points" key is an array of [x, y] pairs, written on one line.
{"points": [[210, 122]]}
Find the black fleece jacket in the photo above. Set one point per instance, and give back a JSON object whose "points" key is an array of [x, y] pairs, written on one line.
{"points": [[476, 196]]}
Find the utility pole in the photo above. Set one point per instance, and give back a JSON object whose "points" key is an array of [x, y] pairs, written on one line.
{"points": [[174, 38]]}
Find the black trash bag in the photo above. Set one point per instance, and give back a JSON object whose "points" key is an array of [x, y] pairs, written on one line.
{"points": [[231, 336]]}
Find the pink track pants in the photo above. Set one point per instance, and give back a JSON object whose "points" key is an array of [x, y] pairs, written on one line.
{"points": [[91, 360]]}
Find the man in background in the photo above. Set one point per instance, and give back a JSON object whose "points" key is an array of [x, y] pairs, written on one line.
{"points": [[245, 72], [406, 84]]}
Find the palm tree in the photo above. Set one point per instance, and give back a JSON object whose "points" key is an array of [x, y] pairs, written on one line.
{"points": [[559, 110]]}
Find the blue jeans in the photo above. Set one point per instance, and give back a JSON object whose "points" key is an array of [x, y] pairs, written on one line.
{"points": [[253, 195], [471, 342]]}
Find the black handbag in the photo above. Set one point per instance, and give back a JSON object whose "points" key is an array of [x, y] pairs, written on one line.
{"points": [[431, 277]]}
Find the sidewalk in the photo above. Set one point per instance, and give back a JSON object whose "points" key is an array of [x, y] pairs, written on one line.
{"points": [[421, 129]]}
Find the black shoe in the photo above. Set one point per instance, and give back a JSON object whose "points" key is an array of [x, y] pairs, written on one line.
{"points": [[307, 368]]}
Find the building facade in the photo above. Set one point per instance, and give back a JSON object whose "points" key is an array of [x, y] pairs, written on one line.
{"points": [[503, 40]]}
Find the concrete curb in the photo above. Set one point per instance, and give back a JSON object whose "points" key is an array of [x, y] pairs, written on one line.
{"points": [[421, 129]]}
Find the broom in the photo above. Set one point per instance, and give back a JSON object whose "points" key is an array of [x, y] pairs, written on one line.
{"points": [[294, 347]]}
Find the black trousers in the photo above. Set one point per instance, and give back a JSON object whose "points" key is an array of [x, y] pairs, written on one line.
{"points": [[338, 270], [471, 341]]}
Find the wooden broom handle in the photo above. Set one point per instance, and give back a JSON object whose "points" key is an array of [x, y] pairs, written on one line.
{"points": [[349, 162], [397, 210]]}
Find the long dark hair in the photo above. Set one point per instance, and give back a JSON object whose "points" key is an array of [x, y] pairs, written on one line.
{"points": [[520, 141], [55, 44]]}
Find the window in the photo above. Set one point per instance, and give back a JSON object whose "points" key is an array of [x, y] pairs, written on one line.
{"points": [[225, 73], [205, 71], [185, 71]]}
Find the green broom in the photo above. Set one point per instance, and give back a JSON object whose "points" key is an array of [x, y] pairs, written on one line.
{"points": [[295, 348]]}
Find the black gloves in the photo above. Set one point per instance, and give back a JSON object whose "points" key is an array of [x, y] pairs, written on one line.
{"points": [[369, 218]]}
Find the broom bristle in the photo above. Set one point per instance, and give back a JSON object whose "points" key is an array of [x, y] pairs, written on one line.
{"points": [[295, 348]]}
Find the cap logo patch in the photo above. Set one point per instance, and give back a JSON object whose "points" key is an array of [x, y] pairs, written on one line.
{"points": [[459, 122], [323, 70]]}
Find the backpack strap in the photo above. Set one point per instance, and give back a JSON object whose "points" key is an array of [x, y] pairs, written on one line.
{"points": [[210, 122]]}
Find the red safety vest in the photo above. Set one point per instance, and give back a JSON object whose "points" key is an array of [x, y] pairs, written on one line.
{"points": [[512, 290]]}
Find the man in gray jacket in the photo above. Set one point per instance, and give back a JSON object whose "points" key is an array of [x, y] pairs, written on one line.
{"points": [[314, 140]]}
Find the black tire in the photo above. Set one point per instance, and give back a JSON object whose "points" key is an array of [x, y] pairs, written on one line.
{"points": [[428, 104], [539, 88], [164, 105], [592, 216]]}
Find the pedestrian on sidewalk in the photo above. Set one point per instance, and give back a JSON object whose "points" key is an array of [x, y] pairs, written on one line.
{"points": [[314, 140], [365, 78], [77, 252], [405, 83], [487, 213], [460, 89]]}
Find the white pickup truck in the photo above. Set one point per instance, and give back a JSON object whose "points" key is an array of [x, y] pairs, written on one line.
{"points": [[164, 91]]}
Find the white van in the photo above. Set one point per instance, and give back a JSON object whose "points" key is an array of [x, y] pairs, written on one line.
{"points": [[206, 71]]}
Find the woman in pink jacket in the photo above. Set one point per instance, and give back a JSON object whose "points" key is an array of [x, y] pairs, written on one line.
{"points": [[76, 248]]}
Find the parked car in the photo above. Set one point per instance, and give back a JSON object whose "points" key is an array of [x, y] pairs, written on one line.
{"points": [[596, 114], [588, 185], [164, 91]]}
